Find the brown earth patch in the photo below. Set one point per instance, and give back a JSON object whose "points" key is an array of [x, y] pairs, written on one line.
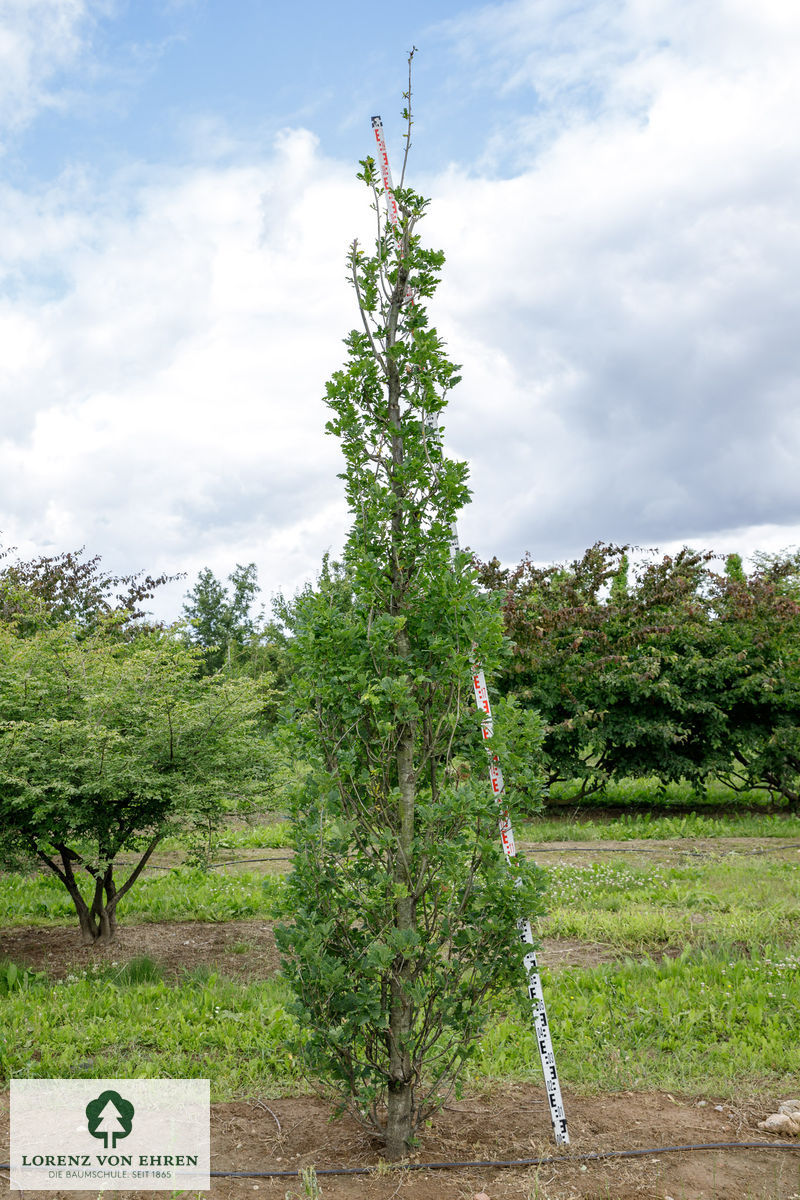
{"points": [[284, 1134], [661, 849], [239, 949]]}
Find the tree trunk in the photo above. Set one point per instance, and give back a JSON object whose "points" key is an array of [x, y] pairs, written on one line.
{"points": [[86, 915], [399, 1122], [400, 1117]]}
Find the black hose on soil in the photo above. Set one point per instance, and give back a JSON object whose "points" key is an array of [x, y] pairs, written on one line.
{"points": [[564, 1159], [517, 1162]]}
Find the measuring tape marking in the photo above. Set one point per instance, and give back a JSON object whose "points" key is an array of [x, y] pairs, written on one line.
{"points": [[386, 173], [530, 963]]}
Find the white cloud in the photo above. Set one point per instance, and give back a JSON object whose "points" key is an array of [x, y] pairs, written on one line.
{"points": [[625, 307], [38, 40], [164, 406], [637, 274]]}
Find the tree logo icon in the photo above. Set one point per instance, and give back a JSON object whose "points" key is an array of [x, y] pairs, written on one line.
{"points": [[109, 1116]]}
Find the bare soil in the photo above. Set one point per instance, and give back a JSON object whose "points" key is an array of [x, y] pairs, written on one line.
{"points": [[239, 949], [283, 1134]]}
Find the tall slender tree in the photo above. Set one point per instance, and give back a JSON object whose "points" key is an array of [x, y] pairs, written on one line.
{"points": [[403, 909]]}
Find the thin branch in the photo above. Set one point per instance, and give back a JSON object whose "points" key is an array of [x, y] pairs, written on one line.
{"points": [[134, 875], [409, 121]]}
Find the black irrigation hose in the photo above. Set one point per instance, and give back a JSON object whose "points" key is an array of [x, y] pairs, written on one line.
{"points": [[563, 849], [568, 849], [549, 1160], [566, 1159]]}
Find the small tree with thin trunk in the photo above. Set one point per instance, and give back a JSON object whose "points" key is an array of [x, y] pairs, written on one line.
{"points": [[107, 744], [403, 910]]}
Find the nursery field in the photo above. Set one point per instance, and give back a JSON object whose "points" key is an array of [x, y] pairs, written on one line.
{"points": [[671, 966]]}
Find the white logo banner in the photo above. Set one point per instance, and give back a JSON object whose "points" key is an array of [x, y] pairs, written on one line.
{"points": [[109, 1134]]}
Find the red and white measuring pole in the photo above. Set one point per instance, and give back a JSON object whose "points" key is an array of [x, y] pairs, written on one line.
{"points": [[385, 169], [535, 994]]}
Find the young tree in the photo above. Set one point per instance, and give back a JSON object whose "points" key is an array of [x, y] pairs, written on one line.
{"points": [[106, 745], [220, 620], [403, 909]]}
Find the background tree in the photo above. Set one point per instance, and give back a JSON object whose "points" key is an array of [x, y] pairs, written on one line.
{"points": [[403, 908], [70, 587], [616, 672], [220, 618], [222, 625], [756, 620], [682, 674], [106, 745]]}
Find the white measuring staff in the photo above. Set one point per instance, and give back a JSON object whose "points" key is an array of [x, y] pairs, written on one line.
{"points": [[535, 993], [386, 173]]}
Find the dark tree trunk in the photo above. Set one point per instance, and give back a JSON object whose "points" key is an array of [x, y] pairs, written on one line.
{"points": [[400, 1116], [98, 923]]}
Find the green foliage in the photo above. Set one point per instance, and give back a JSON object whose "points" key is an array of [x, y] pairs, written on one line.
{"points": [[403, 909], [221, 624], [106, 745], [68, 587], [14, 978], [683, 673], [103, 1023], [703, 1022]]}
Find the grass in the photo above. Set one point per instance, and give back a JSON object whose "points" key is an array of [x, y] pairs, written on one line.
{"points": [[703, 1022], [716, 1015], [127, 1022], [645, 826], [750, 901], [274, 835], [179, 895], [650, 794]]}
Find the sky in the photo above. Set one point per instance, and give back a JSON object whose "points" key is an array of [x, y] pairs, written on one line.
{"points": [[615, 185]]}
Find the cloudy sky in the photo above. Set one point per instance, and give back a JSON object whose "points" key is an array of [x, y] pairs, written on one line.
{"points": [[615, 184]]}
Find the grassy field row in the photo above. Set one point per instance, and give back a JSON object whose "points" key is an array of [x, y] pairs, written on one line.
{"points": [[276, 835], [724, 898], [701, 1023], [702, 993], [651, 795]]}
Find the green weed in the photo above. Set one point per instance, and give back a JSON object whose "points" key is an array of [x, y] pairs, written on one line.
{"points": [[14, 978], [697, 1023], [754, 901], [103, 1023]]}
